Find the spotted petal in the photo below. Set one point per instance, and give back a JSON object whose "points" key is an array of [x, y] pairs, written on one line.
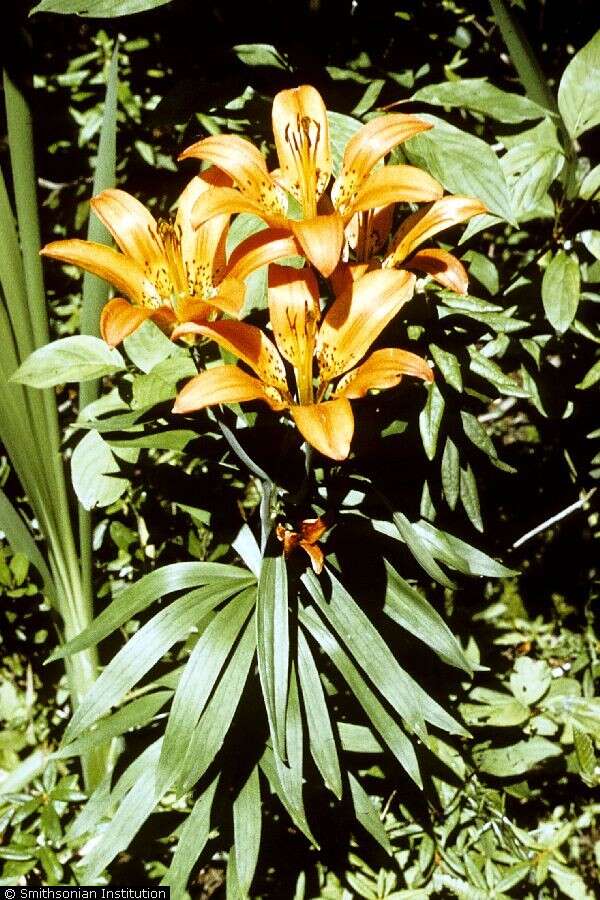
{"points": [[202, 249], [120, 270], [223, 384], [326, 426], [134, 229], [358, 316], [364, 150], [294, 312], [396, 184], [248, 343], [425, 223], [382, 369]]}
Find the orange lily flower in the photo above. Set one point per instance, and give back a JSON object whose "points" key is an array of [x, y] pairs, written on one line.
{"points": [[301, 132], [169, 271], [311, 530], [368, 232], [321, 411]]}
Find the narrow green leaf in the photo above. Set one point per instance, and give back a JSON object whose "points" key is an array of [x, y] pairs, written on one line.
{"points": [[138, 712], [450, 472], [320, 732], [260, 55], [357, 738], [430, 420], [216, 719], [469, 496], [477, 434], [491, 371], [192, 841], [271, 771], [392, 735], [77, 358], [200, 675], [247, 825], [140, 595], [460, 555], [367, 814], [21, 540], [560, 290], [97, 8], [419, 550], [579, 89], [143, 651], [411, 611], [272, 642], [448, 365]]}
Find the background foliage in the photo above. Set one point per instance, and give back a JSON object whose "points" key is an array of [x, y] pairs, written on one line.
{"points": [[507, 439]]}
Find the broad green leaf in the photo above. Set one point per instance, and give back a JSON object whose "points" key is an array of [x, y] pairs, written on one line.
{"points": [[341, 129], [420, 551], [94, 9], [247, 825], [458, 554], [77, 358], [141, 594], [530, 679], [320, 732], [448, 365], [411, 611], [93, 468], [367, 646], [590, 186], [260, 55], [494, 709], [143, 650], [591, 241], [173, 439], [430, 420], [216, 719], [463, 163], [569, 881], [560, 290], [450, 471], [148, 346], [192, 841], [138, 712], [397, 741], [200, 675], [534, 159], [480, 96], [273, 644], [507, 762], [469, 496], [584, 749], [579, 89], [161, 382], [483, 270], [367, 814]]}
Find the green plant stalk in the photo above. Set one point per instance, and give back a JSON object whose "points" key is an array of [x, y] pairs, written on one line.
{"points": [[35, 450]]}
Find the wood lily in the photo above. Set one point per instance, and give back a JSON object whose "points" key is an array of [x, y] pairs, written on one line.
{"points": [[332, 349], [301, 133], [311, 531], [168, 271]]}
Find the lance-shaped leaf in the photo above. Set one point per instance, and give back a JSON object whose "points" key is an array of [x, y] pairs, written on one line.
{"points": [[367, 814], [247, 825], [197, 681], [192, 841], [273, 644]]}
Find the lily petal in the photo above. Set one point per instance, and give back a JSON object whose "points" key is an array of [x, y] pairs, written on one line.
{"points": [[121, 271], [134, 229], [260, 249], [227, 201], [368, 231], [365, 148], [248, 343], [223, 384], [246, 166], [119, 318], [358, 316], [382, 369], [425, 223], [312, 530], [344, 276], [301, 133], [326, 426], [321, 239], [396, 184], [442, 266], [202, 249], [294, 312], [315, 554]]}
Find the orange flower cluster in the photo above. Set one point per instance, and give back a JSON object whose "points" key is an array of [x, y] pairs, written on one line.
{"points": [[315, 361]]}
